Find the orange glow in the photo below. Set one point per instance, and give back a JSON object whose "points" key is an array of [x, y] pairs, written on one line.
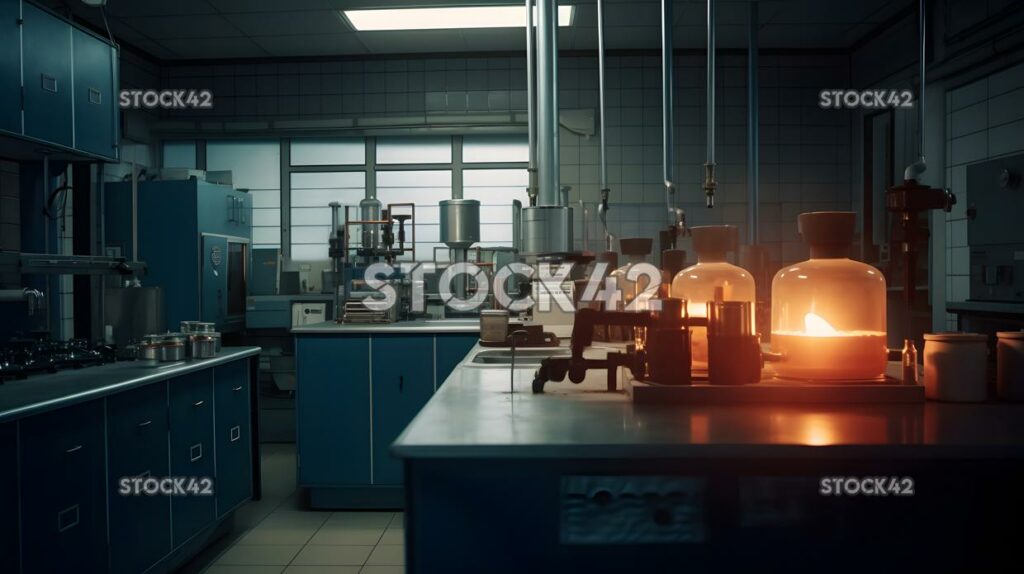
{"points": [[815, 325]]}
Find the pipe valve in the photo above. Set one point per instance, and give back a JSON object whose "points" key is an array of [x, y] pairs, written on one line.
{"points": [[710, 184]]}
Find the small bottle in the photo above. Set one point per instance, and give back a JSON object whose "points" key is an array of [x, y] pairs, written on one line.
{"points": [[909, 362]]}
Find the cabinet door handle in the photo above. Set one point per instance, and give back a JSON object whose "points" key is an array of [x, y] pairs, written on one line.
{"points": [[236, 389], [145, 423], [231, 209], [75, 448], [198, 403], [401, 383]]}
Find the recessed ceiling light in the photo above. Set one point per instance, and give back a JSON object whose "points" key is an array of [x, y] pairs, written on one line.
{"points": [[450, 18]]}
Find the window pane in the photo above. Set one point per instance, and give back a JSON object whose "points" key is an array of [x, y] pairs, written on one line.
{"points": [[310, 213], [495, 189], [424, 188], [425, 149], [328, 151], [254, 165], [495, 148], [180, 154]]}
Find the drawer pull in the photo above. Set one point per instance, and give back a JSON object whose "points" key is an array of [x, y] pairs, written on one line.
{"points": [[198, 403], [196, 452], [75, 448], [145, 423], [67, 518], [236, 433], [236, 389], [49, 83]]}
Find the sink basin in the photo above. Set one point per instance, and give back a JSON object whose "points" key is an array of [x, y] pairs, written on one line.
{"points": [[523, 357]]}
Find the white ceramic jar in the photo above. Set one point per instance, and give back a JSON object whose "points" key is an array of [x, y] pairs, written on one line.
{"points": [[1010, 365], [954, 366]]}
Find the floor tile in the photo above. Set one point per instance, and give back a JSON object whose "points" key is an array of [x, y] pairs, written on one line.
{"points": [[266, 554], [361, 519], [393, 536], [294, 569], [239, 569], [296, 518], [316, 555], [284, 534], [387, 555], [382, 570], [347, 535]]}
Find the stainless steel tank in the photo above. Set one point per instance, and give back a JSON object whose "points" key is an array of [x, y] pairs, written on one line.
{"points": [[460, 223], [369, 210], [547, 229]]}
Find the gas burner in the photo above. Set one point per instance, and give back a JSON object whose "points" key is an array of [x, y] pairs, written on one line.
{"points": [[22, 358]]}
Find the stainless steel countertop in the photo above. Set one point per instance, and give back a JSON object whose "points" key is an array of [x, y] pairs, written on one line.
{"points": [[417, 326], [43, 393], [474, 415]]}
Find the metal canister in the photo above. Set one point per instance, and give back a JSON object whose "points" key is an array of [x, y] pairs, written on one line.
{"points": [[202, 346], [172, 347], [493, 325], [149, 348]]}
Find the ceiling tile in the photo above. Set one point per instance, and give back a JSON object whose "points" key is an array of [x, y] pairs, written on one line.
{"points": [[119, 8], [413, 41], [289, 23], [311, 45], [248, 6], [207, 48], [197, 26]]}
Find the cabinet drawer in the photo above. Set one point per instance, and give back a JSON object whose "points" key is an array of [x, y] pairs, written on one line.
{"points": [[192, 450], [63, 510], [233, 435], [137, 426]]}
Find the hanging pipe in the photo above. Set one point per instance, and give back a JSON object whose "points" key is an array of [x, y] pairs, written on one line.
{"points": [[531, 94], [917, 168], [676, 216], [709, 167], [547, 105], [602, 209], [753, 161]]}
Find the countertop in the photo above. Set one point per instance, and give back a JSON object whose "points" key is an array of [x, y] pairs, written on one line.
{"points": [[43, 393], [418, 326], [475, 415]]}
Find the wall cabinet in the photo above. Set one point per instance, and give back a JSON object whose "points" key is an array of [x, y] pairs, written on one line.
{"points": [[63, 500], [10, 66], [140, 526], [95, 94], [46, 72], [355, 393]]}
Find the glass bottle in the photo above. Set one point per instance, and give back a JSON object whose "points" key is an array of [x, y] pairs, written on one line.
{"points": [[828, 313], [712, 279]]}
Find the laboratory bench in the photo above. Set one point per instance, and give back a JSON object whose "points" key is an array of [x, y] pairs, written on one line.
{"points": [[75, 434], [357, 387], [578, 478]]}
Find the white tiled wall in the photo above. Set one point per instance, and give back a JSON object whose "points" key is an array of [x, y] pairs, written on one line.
{"points": [[985, 119], [805, 154]]}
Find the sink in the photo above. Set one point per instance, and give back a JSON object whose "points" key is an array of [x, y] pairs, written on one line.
{"points": [[523, 357]]}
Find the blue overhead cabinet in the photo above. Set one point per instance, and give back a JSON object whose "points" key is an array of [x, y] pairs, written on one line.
{"points": [[57, 84], [190, 233]]}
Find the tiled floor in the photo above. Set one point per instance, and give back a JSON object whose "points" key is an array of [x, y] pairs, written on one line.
{"points": [[278, 534]]}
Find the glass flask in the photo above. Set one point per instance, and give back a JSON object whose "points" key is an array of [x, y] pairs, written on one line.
{"points": [[636, 250], [828, 313], [712, 279]]}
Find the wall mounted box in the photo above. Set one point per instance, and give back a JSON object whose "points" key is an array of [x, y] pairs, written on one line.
{"points": [[194, 237], [58, 86]]}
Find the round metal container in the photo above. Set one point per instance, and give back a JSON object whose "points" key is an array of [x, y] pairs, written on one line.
{"points": [[493, 325], [202, 346], [171, 347], [188, 326], [547, 229], [460, 222], [149, 348]]}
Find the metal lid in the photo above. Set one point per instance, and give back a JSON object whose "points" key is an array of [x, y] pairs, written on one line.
{"points": [[494, 312], [955, 337], [1010, 334]]}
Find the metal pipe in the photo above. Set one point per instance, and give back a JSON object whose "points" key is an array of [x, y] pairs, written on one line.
{"points": [[531, 104], [555, 135], [709, 167], [547, 118], [33, 297], [517, 225], [667, 122], [917, 168], [135, 213], [753, 151], [602, 209]]}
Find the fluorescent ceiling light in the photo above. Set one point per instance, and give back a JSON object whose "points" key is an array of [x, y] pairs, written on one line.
{"points": [[450, 18]]}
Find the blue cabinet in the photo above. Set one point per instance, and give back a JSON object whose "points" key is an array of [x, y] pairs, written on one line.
{"points": [[192, 450], [94, 95], [46, 61], [332, 401], [451, 349], [9, 543], [10, 66], [140, 526], [403, 381], [63, 499], [233, 440]]}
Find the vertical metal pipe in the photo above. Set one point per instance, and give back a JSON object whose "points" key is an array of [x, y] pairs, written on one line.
{"points": [[600, 94], [667, 121], [555, 149], [547, 120], [920, 100], [517, 225], [709, 166], [753, 151], [531, 104]]}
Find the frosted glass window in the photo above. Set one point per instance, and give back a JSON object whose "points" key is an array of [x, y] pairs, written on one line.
{"points": [[495, 149], [424, 188], [311, 194], [180, 154], [414, 150], [328, 151], [254, 165], [495, 189]]}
